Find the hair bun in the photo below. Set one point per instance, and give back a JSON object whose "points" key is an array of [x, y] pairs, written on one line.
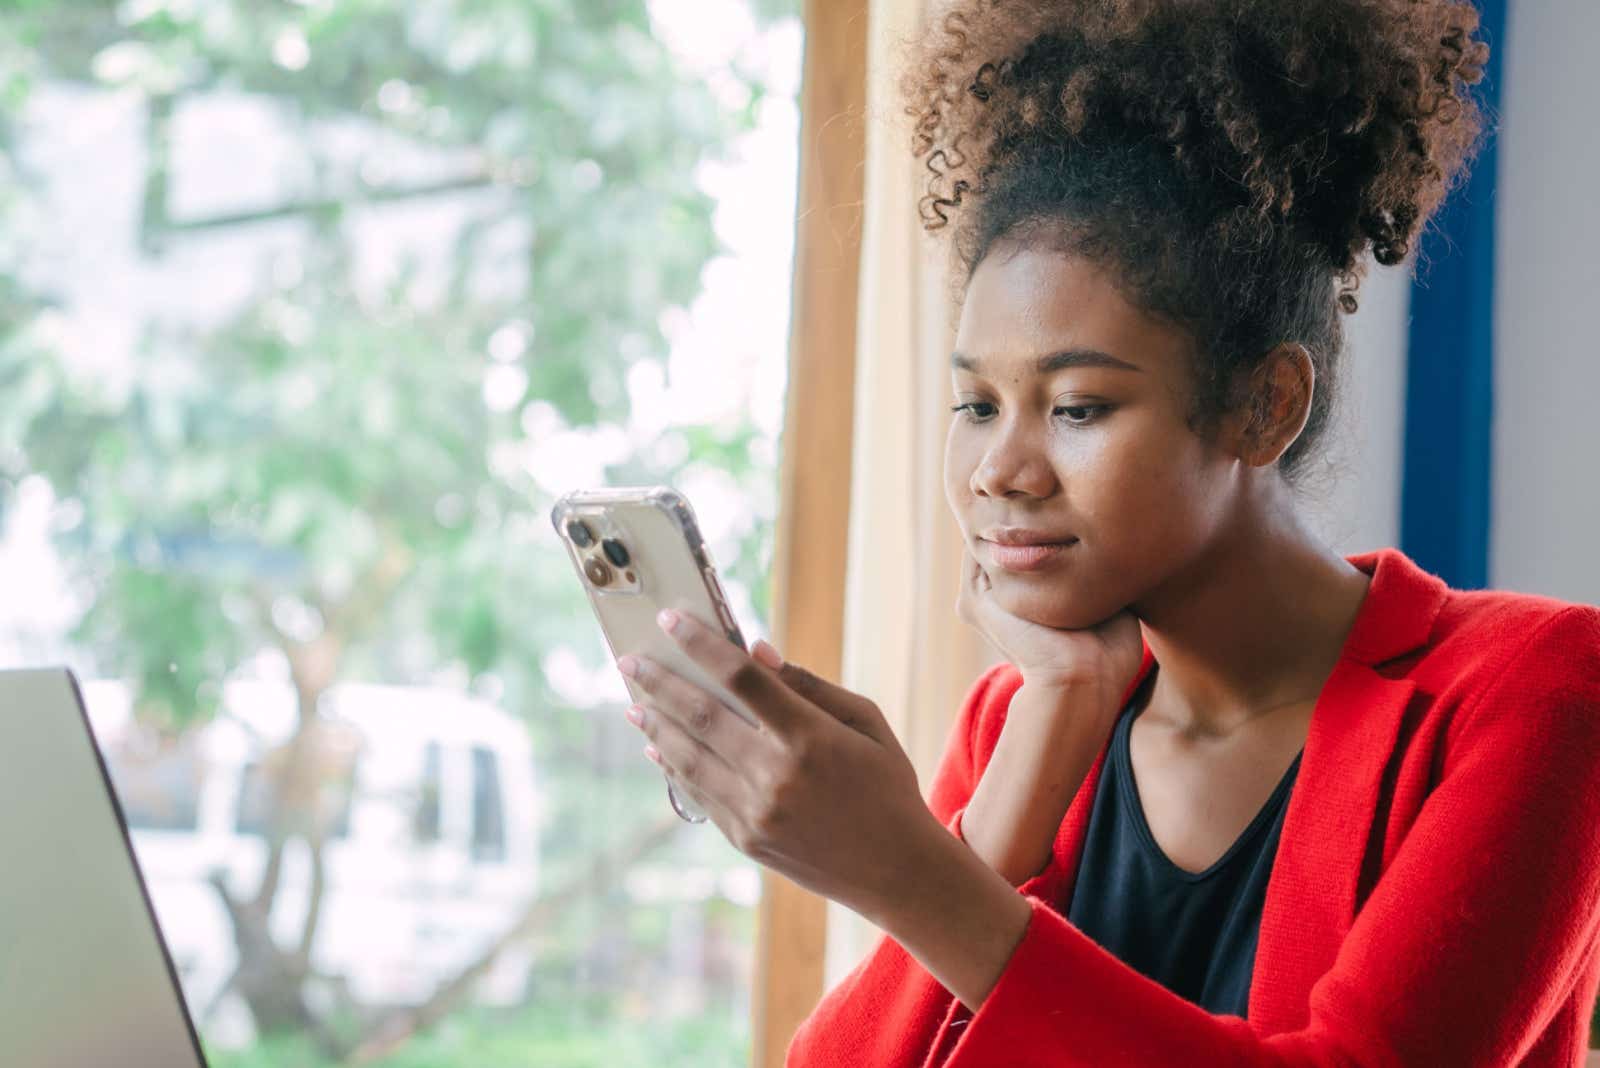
{"points": [[1344, 120]]}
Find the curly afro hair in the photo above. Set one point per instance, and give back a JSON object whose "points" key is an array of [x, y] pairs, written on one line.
{"points": [[1231, 161]]}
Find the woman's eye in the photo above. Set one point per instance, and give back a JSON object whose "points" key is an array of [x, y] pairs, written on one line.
{"points": [[1080, 413], [971, 408], [1075, 414]]}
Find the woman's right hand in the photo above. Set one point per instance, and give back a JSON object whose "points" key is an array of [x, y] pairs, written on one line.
{"points": [[1106, 655]]}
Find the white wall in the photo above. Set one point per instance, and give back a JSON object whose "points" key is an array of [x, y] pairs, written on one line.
{"points": [[1545, 528], [1353, 498]]}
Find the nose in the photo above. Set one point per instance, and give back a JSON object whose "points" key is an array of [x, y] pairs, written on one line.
{"points": [[1014, 463]]}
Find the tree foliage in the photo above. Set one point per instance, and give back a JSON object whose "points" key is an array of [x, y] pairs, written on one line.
{"points": [[341, 471]]}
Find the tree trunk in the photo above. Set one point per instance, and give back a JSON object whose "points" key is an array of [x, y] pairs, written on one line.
{"points": [[271, 978]]}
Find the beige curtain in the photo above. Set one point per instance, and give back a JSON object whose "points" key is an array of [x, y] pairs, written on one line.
{"points": [[904, 647]]}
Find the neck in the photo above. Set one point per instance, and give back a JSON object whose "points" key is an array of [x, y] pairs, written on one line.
{"points": [[1256, 623]]}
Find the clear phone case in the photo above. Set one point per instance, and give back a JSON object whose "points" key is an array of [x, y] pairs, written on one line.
{"points": [[663, 564]]}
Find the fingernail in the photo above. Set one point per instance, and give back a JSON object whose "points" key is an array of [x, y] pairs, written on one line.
{"points": [[635, 715], [653, 753], [765, 653], [628, 665], [668, 619]]}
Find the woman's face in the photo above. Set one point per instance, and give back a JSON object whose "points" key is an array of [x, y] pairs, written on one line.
{"points": [[1074, 428]]}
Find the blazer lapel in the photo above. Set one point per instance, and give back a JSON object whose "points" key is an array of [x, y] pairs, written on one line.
{"points": [[1311, 893]]}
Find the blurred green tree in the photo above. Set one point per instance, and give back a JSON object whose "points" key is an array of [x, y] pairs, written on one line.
{"points": [[342, 475]]}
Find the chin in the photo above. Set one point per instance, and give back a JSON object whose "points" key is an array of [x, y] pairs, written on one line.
{"points": [[1038, 600]]}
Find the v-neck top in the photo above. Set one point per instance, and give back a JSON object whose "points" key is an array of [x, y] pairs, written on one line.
{"points": [[1192, 932]]}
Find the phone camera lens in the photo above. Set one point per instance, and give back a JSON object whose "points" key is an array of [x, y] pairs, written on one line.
{"points": [[580, 533], [615, 552], [598, 572]]}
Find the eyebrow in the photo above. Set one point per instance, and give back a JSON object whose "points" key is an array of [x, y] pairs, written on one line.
{"points": [[1055, 361]]}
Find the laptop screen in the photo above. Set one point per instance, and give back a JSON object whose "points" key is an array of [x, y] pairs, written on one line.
{"points": [[84, 978]]}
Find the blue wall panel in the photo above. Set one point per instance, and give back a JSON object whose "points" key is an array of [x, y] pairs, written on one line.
{"points": [[1445, 490]]}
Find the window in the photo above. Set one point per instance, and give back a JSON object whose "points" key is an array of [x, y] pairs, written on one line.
{"points": [[425, 824], [488, 822], [388, 278]]}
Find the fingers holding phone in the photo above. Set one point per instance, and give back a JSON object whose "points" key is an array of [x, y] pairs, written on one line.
{"points": [[848, 707], [819, 803]]}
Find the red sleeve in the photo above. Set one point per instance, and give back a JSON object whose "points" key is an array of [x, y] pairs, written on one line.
{"points": [[1472, 940], [887, 1010]]}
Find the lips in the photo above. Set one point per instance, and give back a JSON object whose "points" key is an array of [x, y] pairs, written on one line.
{"points": [[1025, 550], [1024, 536]]}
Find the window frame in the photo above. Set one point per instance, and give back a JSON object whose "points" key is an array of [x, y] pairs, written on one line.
{"points": [[808, 588]]}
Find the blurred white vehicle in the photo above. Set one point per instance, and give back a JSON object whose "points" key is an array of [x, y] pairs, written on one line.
{"points": [[432, 856]]}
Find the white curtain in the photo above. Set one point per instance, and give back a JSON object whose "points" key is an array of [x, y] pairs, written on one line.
{"points": [[904, 647]]}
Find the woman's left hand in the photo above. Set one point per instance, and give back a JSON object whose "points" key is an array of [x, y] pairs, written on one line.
{"points": [[820, 792]]}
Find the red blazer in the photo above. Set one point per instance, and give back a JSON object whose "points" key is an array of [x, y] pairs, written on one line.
{"points": [[1435, 898]]}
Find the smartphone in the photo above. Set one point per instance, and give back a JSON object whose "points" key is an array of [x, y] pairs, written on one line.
{"points": [[638, 550]]}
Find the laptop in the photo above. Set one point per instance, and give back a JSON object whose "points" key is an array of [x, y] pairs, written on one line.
{"points": [[85, 979]]}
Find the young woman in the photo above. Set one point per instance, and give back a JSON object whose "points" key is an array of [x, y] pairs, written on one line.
{"points": [[1232, 798]]}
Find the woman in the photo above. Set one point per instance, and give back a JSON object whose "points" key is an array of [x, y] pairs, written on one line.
{"points": [[1231, 798]]}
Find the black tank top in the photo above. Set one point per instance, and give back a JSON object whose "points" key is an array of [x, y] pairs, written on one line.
{"points": [[1192, 932]]}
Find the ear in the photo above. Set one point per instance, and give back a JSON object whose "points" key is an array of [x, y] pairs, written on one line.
{"points": [[1276, 405]]}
